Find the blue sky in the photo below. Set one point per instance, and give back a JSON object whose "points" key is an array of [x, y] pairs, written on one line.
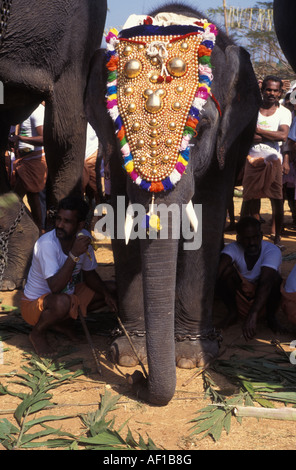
{"points": [[119, 10]]}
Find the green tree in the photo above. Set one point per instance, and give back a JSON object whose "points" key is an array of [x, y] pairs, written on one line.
{"points": [[253, 29]]}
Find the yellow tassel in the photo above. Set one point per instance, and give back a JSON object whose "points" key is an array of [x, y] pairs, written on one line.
{"points": [[114, 31], [129, 167], [154, 222]]}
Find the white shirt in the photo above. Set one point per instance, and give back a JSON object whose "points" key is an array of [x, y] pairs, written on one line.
{"points": [[270, 257], [29, 126], [270, 150], [48, 258], [92, 141]]}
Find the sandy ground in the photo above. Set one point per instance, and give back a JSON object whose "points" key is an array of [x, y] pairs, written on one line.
{"points": [[169, 426]]}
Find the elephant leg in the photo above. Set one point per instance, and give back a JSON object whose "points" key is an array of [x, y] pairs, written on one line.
{"points": [[131, 312], [65, 138], [197, 342]]}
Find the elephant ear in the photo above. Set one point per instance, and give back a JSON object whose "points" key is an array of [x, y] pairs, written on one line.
{"points": [[284, 12], [240, 98], [95, 104]]}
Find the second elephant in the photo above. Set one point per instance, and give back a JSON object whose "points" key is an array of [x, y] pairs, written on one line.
{"points": [[18, 233]]}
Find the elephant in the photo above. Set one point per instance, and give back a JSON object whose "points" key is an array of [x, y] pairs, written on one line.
{"points": [[45, 54], [165, 291], [284, 13]]}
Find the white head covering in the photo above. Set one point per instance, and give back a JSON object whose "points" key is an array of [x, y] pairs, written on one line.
{"points": [[162, 19]]}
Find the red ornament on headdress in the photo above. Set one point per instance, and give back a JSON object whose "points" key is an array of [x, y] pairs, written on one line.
{"points": [[148, 20]]}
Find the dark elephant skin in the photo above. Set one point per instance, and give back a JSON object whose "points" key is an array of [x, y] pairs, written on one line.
{"points": [[22, 234], [45, 55], [284, 12], [162, 289]]}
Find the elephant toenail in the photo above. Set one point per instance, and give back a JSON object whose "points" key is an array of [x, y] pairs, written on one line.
{"points": [[204, 360], [128, 361]]}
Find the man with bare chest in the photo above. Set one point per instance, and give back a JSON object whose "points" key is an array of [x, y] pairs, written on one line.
{"points": [[263, 169], [248, 277]]}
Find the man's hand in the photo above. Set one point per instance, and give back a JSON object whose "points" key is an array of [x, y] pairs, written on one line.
{"points": [[13, 139], [249, 327], [80, 245], [286, 164], [36, 140]]}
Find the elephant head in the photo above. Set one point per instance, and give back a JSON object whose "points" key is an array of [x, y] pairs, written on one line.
{"points": [[284, 12], [184, 103]]}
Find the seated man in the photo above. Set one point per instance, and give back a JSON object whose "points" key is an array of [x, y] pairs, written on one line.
{"points": [[54, 292], [248, 277]]}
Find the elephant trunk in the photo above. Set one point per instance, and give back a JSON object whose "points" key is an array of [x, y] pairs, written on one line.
{"points": [[159, 260]]}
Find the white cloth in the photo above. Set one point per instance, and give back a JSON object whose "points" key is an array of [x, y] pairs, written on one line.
{"points": [[92, 141], [290, 284], [270, 150], [28, 128], [48, 259], [270, 257]]}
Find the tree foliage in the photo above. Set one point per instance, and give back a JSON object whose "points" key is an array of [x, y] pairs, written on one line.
{"points": [[253, 29]]}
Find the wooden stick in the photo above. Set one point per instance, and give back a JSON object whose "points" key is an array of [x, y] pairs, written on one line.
{"points": [[287, 414], [196, 374], [280, 347], [133, 348], [88, 337]]}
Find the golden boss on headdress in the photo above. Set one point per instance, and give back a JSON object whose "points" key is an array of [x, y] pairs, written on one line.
{"points": [[158, 82]]}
